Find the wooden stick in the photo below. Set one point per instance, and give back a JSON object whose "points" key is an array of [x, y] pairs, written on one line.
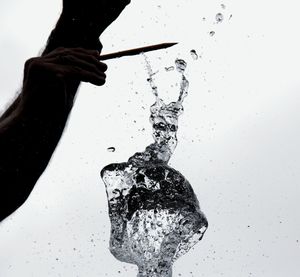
{"points": [[136, 51]]}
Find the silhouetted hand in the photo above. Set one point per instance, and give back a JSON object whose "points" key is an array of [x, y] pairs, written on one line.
{"points": [[98, 14], [46, 78]]}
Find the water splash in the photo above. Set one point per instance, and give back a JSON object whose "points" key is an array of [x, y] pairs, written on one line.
{"points": [[155, 215]]}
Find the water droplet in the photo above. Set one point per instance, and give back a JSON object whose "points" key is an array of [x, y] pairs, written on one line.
{"points": [[219, 17], [170, 68], [194, 54], [111, 149], [180, 65], [212, 33]]}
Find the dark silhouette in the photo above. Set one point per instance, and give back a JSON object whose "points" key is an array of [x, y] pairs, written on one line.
{"points": [[32, 126]]}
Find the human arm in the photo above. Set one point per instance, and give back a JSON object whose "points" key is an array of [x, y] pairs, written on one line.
{"points": [[32, 126]]}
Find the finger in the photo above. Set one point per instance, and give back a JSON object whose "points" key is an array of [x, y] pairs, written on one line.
{"points": [[66, 72], [70, 51], [85, 75], [86, 62], [89, 56], [94, 60]]}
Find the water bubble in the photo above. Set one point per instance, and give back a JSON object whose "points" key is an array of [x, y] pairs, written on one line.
{"points": [[194, 54], [111, 149], [219, 17]]}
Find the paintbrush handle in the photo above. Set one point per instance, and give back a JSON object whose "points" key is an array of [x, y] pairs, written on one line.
{"points": [[136, 51]]}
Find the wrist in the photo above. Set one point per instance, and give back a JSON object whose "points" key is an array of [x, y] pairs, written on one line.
{"points": [[71, 32]]}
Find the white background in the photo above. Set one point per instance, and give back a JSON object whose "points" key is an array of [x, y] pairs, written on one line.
{"points": [[238, 138]]}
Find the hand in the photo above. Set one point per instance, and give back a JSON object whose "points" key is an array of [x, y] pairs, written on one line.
{"points": [[98, 14], [46, 78]]}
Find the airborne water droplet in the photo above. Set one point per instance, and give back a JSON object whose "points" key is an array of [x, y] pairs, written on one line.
{"points": [[194, 54], [219, 17], [212, 33], [111, 149], [170, 68], [180, 65]]}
